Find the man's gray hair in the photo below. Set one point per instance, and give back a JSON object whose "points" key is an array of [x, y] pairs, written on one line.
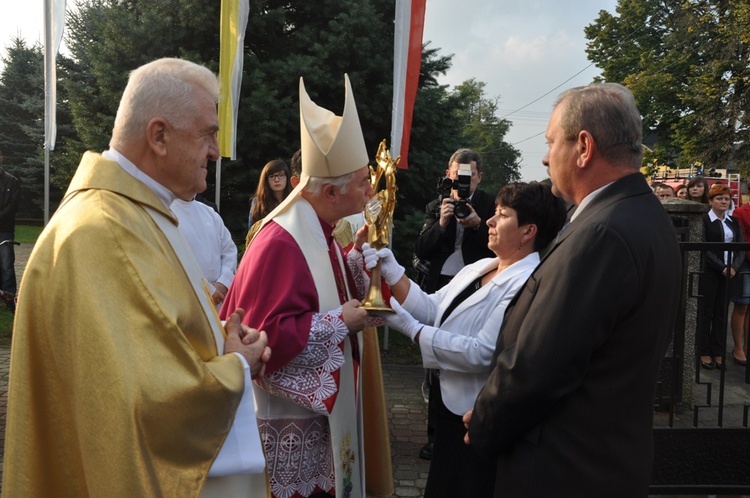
{"points": [[315, 184], [607, 111], [162, 88], [466, 156]]}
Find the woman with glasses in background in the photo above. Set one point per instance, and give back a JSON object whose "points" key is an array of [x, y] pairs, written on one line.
{"points": [[273, 187]]}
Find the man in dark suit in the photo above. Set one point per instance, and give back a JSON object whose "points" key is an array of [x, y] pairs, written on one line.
{"points": [[447, 244], [568, 408], [10, 195]]}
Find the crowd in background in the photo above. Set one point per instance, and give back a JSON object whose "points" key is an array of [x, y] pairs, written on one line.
{"points": [[723, 222]]}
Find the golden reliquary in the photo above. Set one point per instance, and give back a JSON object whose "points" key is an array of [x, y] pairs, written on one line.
{"points": [[379, 218]]}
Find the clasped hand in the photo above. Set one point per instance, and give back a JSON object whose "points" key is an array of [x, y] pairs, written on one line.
{"points": [[249, 342]]}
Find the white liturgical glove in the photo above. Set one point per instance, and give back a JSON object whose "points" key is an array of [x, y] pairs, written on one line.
{"points": [[401, 320], [389, 267]]}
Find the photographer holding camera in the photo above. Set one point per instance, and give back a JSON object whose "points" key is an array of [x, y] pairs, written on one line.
{"points": [[454, 234]]}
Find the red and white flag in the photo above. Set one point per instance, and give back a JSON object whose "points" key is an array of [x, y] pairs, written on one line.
{"points": [[407, 61]]}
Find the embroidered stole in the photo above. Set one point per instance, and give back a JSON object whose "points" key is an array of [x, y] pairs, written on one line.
{"points": [[345, 420]]}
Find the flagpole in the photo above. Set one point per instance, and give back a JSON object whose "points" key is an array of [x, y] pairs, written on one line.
{"points": [[218, 185], [46, 185], [54, 24]]}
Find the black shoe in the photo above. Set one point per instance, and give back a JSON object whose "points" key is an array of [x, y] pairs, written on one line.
{"points": [[708, 365], [9, 300], [426, 452], [741, 363]]}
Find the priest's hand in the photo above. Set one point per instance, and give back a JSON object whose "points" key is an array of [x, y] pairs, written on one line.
{"points": [[219, 293], [353, 316], [250, 343]]}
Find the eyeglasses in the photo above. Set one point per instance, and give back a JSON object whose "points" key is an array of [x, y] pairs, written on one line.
{"points": [[277, 176]]}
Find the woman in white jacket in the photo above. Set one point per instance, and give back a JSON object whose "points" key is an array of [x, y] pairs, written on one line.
{"points": [[457, 327]]}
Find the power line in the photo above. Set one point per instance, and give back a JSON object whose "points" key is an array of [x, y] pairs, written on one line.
{"points": [[528, 138], [542, 96], [631, 35]]}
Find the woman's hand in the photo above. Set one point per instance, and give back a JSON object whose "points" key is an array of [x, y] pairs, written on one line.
{"points": [[389, 267], [402, 321]]}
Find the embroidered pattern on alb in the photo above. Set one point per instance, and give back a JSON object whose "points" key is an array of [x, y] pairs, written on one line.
{"points": [[299, 455], [308, 379]]}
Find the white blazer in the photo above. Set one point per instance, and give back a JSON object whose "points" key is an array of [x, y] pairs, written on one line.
{"points": [[463, 345]]}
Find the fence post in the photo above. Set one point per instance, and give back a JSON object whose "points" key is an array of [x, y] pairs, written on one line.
{"points": [[687, 216]]}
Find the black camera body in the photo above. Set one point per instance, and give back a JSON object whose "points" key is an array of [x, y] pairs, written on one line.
{"points": [[463, 188]]}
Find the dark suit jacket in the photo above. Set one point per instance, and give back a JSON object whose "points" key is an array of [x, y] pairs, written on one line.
{"points": [[714, 232], [435, 245], [568, 408]]}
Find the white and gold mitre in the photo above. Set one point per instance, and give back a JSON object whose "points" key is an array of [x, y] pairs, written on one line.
{"points": [[331, 145]]}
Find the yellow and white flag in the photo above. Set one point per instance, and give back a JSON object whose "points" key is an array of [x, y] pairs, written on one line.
{"points": [[234, 16]]}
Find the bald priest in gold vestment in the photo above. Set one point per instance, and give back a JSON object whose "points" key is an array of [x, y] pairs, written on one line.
{"points": [[123, 383]]}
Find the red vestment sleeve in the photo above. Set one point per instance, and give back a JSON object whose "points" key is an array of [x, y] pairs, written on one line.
{"points": [[276, 289]]}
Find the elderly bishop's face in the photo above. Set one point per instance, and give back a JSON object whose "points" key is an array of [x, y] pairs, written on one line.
{"points": [[357, 193]]}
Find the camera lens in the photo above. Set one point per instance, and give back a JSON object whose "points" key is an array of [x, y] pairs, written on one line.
{"points": [[461, 209]]}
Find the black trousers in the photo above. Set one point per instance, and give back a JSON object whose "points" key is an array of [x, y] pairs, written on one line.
{"points": [[7, 264], [456, 469], [712, 330]]}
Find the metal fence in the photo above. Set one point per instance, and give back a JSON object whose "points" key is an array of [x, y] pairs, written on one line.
{"points": [[701, 435]]}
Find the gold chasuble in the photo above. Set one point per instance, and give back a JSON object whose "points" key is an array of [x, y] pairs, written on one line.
{"points": [[116, 386]]}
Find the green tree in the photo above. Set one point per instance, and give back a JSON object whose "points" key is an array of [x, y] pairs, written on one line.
{"points": [[446, 120], [485, 133], [22, 124], [632, 49], [714, 129], [434, 137], [22, 119], [687, 64], [284, 41]]}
